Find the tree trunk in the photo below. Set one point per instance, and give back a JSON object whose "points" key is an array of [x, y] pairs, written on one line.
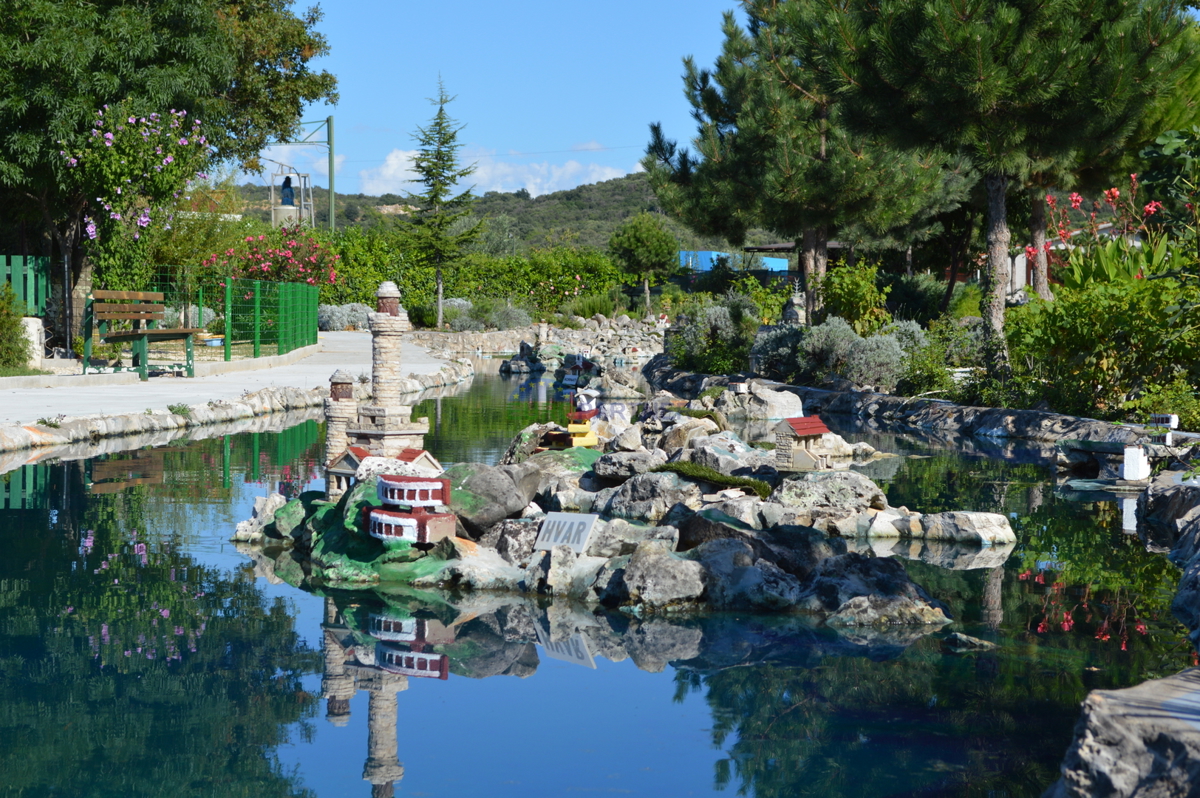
{"points": [[646, 290], [439, 294], [821, 260], [1037, 231], [958, 257], [908, 261], [993, 602], [996, 276], [808, 270]]}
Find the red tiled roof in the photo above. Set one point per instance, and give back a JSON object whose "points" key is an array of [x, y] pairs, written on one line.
{"points": [[359, 452], [807, 426], [408, 455]]}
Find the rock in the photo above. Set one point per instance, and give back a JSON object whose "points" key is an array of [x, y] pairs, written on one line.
{"points": [[735, 581], [512, 539], [1170, 515], [609, 587], [941, 553], [795, 549], [964, 527], [374, 466], [678, 435], [628, 441], [764, 402], [625, 464], [482, 495], [853, 590], [526, 442], [657, 578], [265, 507], [822, 498], [1141, 741], [573, 575], [618, 537], [727, 453], [958, 642], [473, 567], [560, 470], [654, 496]]}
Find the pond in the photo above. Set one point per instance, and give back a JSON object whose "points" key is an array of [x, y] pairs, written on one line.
{"points": [[141, 654]]}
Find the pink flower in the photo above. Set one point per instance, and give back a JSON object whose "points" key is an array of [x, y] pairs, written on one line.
{"points": [[1076, 201], [1051, 201], [1031, 253], [1111, 196], [1152, 208]]}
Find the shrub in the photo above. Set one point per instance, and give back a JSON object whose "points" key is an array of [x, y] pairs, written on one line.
{"points": [[924, 370], [335, 318], [775, 352], [908, 334], [588, 306], [966, 301], [916, 297], [876, 361], [423, 315], [14, 344], [710, 342], [1177, 396], [180, 410], [827, 347], [196, 317], [508, 318], [702, 473], [466, 324], [853, 293]]}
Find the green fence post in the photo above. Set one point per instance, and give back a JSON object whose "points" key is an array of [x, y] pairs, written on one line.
{"points": [[281, 324], [226, 481], [228, 319], [258, 318], [254, 456]]}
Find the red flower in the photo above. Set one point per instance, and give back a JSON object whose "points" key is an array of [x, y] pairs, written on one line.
{"points": [[1151, 208], [1051, 201], [1076, 201], [1111, 196]]}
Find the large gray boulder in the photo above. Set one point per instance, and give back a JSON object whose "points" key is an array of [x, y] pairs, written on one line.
{"points": [[795, 549], [1169, 515], [968, 527], [678, 435], [656, 578], [1142, 741], [737, 580], [760, 402], [624, 464], [729, 454], [822, 499], [618, 537], [482, 495], [653, 644], [854, 590], [512, 539], [652, 497], [472, 566]]}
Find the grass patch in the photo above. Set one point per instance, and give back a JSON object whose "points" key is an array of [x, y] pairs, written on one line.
{"points": [[713, 392], [21, 371], [181, 410], [705, 474]]}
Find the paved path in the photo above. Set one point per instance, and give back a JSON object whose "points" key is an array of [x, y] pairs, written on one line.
{"points": [[340, 350]]}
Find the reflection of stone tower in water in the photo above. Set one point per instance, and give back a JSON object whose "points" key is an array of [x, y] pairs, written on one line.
{"points": [[339, 684]]}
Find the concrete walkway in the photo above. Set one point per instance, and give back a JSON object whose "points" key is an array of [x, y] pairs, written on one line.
{"points": [[341, 350]]}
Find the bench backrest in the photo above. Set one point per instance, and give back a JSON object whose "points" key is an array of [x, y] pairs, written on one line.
{"points": [[133, 306]]}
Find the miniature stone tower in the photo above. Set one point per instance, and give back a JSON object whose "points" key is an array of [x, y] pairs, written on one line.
{"points": [[385, 427], [340, 411]]}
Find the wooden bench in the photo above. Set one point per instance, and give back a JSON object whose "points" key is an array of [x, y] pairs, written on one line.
{"points": [[145, 309]]}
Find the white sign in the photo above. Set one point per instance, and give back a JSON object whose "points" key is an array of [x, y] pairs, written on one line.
{"points": [[573, 649], [565, 529]]}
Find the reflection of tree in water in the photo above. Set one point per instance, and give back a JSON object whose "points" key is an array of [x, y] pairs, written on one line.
{"points": [[128, 669]]}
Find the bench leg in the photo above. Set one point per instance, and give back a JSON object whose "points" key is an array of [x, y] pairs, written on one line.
{"points": [[191, 362], [142, 352]]}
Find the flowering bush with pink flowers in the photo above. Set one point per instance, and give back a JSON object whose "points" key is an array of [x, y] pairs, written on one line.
{"points": [[287, 254], [132, 168]]}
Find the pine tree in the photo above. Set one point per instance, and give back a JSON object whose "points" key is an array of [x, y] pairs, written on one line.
{"points": [[645, 249], [1013, 85], [773, 152], [436, 239]]}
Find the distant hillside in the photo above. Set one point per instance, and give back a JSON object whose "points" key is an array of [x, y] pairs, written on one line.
{"points": [[586, 215]]}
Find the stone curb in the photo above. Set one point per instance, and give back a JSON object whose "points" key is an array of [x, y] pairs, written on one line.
{"points": [[14, 437]]}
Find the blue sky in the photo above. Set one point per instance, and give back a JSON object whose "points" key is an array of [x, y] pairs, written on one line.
{"points": [[553, 94]]}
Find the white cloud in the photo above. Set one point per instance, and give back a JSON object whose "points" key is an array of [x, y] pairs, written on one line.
{"points": [[590, 146], [393, 176], [492, 173]]}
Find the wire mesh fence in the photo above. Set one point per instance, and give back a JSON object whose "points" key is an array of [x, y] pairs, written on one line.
{"points": [[240, 318]]}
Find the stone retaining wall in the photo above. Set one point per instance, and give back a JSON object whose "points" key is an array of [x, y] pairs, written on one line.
{"points": [[606, 338], [268, 400], [919, 414]]}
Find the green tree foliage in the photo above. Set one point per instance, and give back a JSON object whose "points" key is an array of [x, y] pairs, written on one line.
{"points": [[241, 67], [645, 250], [852, 292], [1010, 85], [14, 345], [773, 151], [439, 208]]}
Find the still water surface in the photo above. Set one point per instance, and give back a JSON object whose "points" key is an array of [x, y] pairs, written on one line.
{"points": [[142, 655]]}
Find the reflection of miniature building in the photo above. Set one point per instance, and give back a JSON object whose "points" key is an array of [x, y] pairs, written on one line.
{"points": [[404, 662], [413, 491], [798, 445], [416, 632], [417, 526]]}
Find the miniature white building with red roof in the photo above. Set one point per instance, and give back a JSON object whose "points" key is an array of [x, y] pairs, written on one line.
{"points": [[799, 446]]}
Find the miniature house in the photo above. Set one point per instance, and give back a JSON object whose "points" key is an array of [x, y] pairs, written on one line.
{"points": [[413, 491], [417, 526], [411, 663], [798, 445], [339, 474], [421, 459]]}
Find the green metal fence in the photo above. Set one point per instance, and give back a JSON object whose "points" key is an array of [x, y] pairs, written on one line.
{"points": [[30, 279], [242, 318]]}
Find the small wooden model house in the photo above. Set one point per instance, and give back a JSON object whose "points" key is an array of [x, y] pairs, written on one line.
{"points": [[421, 459], [341, 470], [798, 445]]}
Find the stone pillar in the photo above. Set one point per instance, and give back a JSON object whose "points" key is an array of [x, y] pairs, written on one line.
{"points": [[340, 411], [382, 767]]}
